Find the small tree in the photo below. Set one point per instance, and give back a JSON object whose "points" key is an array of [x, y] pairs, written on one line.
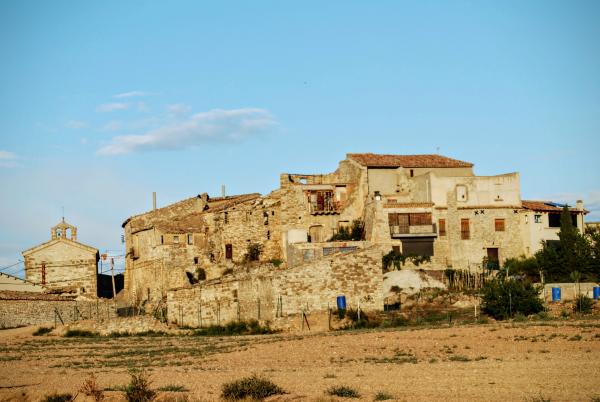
{"points": [[503, 299]]}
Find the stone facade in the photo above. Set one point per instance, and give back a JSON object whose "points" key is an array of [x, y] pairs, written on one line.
{"points": [[426, 205], [268, 293], [63, 264]]}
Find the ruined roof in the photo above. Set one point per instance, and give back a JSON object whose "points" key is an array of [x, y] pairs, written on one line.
{"points": [[407, 161], [545, 206], [214, 204]]}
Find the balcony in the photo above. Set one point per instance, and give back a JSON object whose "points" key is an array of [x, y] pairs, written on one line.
{"points": [[413, 231]]}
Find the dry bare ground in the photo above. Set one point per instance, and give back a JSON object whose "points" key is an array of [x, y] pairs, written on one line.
{"points": [[557, 360]]}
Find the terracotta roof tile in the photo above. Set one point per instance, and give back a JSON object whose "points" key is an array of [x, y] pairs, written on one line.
{"points": [[408, 161], [544, 206]]}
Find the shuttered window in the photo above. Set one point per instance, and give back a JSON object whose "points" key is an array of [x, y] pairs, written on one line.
{"points": [[442, 227], [499, 225], [465, 232]]}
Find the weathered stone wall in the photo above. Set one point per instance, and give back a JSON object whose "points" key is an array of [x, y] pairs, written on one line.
{"points": [[66, 265], [267, 292], [16, 312]]}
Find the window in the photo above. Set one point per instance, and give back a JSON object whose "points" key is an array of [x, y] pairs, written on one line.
{"points": [[537, 218], [461, 193], [268, 235], [465, 232], [175, 239], [190, 239], [196, 259], [400, 223], [226, 217], [499, 225], [228, 251], [162, 239], [412, 173], [442, 227]]}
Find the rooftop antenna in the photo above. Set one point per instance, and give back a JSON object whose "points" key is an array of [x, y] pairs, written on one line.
{"points": [[63, 214]]}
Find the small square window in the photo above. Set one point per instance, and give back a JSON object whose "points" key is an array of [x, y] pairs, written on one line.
{"points": [[190, 239], [175, 239], [499, 225], [537, 218]]}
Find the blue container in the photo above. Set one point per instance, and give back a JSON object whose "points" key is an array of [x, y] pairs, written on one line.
{"points": [[341, 302], [596, 292], [555, 294]]}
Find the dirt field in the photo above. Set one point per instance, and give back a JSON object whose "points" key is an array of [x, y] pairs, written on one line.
{"points": [[558, 360]]}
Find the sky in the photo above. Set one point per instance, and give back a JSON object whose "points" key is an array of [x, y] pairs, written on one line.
{"points": [[102, 103]]}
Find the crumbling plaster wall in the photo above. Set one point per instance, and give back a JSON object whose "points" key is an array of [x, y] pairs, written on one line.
{"points": [[266, 292]]}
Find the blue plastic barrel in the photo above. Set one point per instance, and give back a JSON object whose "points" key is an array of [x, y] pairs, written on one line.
{"points": [[596, 292], [555, 294], [341, 302]]}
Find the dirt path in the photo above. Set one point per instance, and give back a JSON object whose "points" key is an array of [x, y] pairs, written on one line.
{"points": [[495, 362]]}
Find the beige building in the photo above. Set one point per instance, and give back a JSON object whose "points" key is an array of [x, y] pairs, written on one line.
{"points": [[63, 264], [425, 205]]}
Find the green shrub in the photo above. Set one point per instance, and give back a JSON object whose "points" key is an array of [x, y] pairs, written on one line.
{"points": [[200, 274], [382, 396], [251, 327], [250, 387], [253, 252], [354, 233], [173, 388], [343, 391], [138, 389], [277, 262], [55, 397], [42, 331], [583, 304], [81, 333], [503, 299]]}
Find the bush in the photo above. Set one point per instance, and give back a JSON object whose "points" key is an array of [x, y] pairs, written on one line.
{"points": [[277, 262], [55, 397], [42, 331], [503, 299], [583, 304], [343, 391], [251, 327], [253, 252], [200, 274], [355, 233], [91, 389], [81, 333], [250, 387], [382, 396], [138, 389]]}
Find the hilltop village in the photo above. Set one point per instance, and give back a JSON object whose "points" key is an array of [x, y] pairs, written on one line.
{"points": [[215, 259]]}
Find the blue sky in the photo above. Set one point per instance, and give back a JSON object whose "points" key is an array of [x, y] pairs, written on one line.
{"points": [[104, 102]]}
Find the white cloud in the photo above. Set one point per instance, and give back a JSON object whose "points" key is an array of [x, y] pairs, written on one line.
{"points": [[216, 125], [8, 159], [113, 125], [178, 109], [131, 94], [111, 107], [76, 124]]}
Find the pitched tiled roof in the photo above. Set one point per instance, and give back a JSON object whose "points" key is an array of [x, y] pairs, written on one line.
{"points": [[408, 161], [544, 206]]}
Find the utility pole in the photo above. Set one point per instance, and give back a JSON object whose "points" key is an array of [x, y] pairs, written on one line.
{"points": [[112, 273]]}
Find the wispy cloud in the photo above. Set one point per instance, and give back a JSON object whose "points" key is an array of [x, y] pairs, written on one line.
{"points": [[76, 124], [8, 159], [216, 125], [131, 94], [178, 109], [111, 107]]}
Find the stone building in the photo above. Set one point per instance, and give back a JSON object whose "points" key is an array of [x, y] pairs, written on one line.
{"points": [[426, 205], [63, 264]]}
